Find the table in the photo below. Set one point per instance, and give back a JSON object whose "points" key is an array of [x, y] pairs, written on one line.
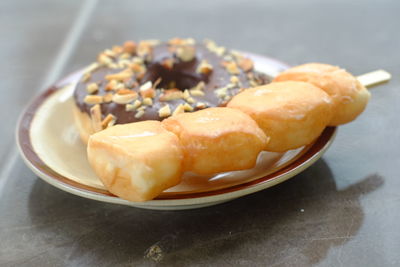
{"points": [[342, 211]]}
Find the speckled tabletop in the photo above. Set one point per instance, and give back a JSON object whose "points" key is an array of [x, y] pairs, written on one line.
{"points": [[342, 211]]}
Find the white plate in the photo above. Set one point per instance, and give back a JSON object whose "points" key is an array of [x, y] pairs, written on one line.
{"points": [[50, 146]]}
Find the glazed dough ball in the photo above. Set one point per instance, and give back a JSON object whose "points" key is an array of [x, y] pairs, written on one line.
{"points": [[136, 161], [217, 139], [293, 114], [349, 96]]}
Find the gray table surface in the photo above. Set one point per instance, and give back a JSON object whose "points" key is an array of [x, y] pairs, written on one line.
{"points": [[342, 211]]}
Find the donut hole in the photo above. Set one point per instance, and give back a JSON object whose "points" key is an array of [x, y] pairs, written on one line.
{"points": [[182, 76]]}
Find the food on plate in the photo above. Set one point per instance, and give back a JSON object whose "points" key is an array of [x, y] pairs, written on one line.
{"points": [[217, 139], [349, 96], [152, 80], [293, 114], [136, 161], [150, 111]]}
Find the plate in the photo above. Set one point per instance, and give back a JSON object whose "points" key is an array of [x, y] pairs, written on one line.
{"points": [[49, 144]]}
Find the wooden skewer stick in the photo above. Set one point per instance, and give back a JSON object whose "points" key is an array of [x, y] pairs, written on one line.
{"points": [[373, 78]]}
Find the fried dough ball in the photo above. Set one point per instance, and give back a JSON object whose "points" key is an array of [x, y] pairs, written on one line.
{"points": [[136, 161], [349, 96], [217, 139], [293, 114]]}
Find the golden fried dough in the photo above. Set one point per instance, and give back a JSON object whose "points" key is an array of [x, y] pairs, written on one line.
{"points": [[217, 139], [136, 161], [293, 114], [349, 96]]}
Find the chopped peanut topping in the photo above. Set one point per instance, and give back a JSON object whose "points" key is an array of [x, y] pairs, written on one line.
{"points": [[139, 114], [131, 59], [204, 67], [148, 93], [190, 41], [140, 76], [220, 50], [107, 98], [125, 98], [167, 63], [93, 99], [142, 108], [200, 105], [187, 107], [148, 101], [200, 86], [92, 88], [190, 100], [221, 92], [186, 53], [147, 90], [176, 41], [86, 77], [213, 47], [135, 105], [103, 59], [129, 107], [231, 85], [119, 86], [151, 42], [113, 66], [246, 64], [196, 93], [186, 94], [109, 53], [108, 121], [165, 111], [228, 57], [171, 94], [124, 63], [111, 85], [126, 73], [179, 109], [125, 56], [117, 49], [125, 91], [234, 79], [147, 85], [92, 67], [145, 50], [180, 41], [238, 55], [232, 68], [138, 60], [137, 68], [129, 47]]}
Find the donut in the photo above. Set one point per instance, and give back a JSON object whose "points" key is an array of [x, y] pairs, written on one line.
{"points": [[136, 161], [217, 139], [151, 80], [292, 113], [349, 96]]}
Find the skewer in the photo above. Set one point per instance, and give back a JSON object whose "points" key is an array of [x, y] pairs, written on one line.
{"points": [[374, 78]]}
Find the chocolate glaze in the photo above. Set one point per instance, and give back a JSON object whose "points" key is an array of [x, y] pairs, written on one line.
{"points": [[183, 73]]}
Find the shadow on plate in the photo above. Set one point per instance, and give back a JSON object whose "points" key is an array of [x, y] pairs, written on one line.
{"points": [[294, 222]]}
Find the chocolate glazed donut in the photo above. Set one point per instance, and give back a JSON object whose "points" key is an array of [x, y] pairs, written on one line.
{"points": [[153, 80]]}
